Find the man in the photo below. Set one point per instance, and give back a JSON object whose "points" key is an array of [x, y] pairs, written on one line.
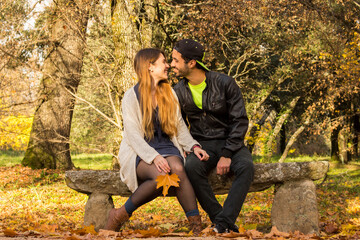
{"points": [[214, 109]]}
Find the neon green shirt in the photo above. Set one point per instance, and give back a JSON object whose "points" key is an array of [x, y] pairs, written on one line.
{"points": [[196, 91]]}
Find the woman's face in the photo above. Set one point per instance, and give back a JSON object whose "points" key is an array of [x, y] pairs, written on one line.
{"points": [[159, 69]]}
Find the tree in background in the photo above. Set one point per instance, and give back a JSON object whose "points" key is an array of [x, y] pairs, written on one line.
{"points": [[19, 70], [132, 28], [66, 24], [296, 62], [273, 49], [117, 31], [95, 122]]}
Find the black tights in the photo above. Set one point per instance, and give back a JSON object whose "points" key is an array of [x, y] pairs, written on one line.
{"points": [[147, 191]]}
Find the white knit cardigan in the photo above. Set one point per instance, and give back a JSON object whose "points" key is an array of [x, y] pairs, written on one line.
{"points": [[133, 143]]}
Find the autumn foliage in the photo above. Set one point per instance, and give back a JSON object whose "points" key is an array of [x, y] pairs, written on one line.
{"points": [[15, 132]]}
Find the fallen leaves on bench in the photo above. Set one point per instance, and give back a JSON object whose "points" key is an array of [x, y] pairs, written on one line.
{"points": [[166, 181]]}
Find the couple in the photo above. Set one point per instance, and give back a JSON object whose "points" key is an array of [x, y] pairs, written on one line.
{"points": [[155, 136]]}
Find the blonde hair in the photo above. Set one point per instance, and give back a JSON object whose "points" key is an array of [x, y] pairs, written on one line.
{"points": [[166, 101]]}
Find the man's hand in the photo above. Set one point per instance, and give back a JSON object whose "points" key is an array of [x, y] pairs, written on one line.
{"points": [[201, 154], [223, 166]]}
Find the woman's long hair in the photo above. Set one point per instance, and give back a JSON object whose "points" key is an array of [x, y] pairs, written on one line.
{"points": [[167, 104]]}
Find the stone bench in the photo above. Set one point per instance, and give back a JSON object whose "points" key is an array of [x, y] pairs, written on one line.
{"points": [[294, 205]]}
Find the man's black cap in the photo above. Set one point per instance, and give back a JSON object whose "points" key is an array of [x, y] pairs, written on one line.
{"points": [[191, 50]]}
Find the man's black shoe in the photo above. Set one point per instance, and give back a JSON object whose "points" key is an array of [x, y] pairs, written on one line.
{"points": [[218, 228], [234, 228]]}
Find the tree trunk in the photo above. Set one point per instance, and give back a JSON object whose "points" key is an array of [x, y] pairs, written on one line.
{"points": [[278, 126], [258, 106], [356, 127], [282, 139], [254, 131], [293, 138], [132, 30], [49, 138], [335, 143], [291, 142], [344, 153]]}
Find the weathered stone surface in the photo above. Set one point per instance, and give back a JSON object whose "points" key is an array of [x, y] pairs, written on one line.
{"points": [[295, 207], [269, 174], [108, 181], [102, 181], [97, 209]]}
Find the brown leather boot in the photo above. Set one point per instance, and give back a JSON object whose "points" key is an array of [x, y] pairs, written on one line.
{"points": [[195, 224], [117, 217]]}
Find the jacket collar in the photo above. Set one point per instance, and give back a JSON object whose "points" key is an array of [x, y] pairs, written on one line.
{"points": [[207, 77]]}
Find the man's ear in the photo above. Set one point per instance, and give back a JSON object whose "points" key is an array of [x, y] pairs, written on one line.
{"points": [[192, 63]]}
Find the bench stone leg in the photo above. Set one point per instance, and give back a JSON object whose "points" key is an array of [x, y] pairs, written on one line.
{"points": [[97, 209], [295, 207]]}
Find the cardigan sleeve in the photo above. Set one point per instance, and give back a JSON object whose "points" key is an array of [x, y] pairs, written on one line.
{"points": [[133, 130]]}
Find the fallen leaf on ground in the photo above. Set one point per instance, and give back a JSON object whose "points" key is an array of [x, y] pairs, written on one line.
{"points": [[108, 233], [152, 232], [208, 231], [48, 228], [331, 228], [156, 217], [9, 232], [167, 226], [275, 232], [85, 230], [232, 235], [166, 181], [73, 238], [252, 233]]}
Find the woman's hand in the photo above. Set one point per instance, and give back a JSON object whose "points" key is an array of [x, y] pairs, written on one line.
{"points": [[161, 164], [201, 154]]}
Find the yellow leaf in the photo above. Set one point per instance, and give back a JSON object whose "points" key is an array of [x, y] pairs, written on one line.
{"points": [[166, 181], [156, 217]]}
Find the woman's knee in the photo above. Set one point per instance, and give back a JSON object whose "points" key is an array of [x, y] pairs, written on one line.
{"points": [[177, 168]]}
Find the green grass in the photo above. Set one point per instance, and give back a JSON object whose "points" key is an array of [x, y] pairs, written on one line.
{"points": [[275, 158], [92, 161], [82, 161], [10, 158], [104, 161]]}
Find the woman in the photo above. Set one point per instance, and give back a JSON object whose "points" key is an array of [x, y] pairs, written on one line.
{"points": [[154, 137]]}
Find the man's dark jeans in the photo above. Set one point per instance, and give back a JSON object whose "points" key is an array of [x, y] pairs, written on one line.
{"points": [[241, 166]]}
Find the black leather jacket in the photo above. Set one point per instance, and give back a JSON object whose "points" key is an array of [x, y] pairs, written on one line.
{"points": [[223, 114]]}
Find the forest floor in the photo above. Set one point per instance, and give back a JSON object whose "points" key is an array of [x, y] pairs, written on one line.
{"points": [[37, 204]]}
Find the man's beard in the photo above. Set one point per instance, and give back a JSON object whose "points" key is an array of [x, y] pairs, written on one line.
{"points": [[183, 72]]}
